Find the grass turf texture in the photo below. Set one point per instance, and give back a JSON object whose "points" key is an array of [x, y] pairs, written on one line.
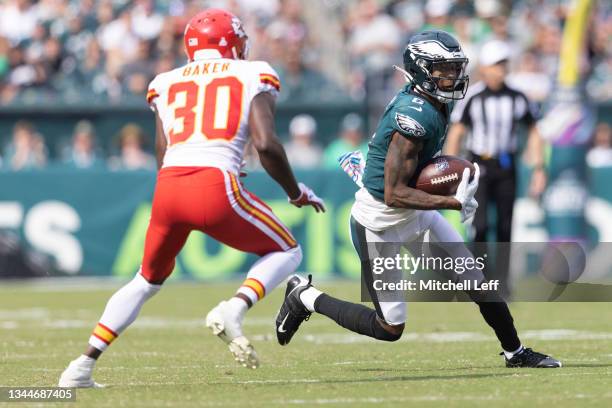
{"points": [[168, 358]]}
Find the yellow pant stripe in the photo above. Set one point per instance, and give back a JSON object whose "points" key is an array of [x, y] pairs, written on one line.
{"points": [[256, 286]]}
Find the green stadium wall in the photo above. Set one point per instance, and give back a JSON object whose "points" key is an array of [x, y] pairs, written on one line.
{"points": [[93, 223]]}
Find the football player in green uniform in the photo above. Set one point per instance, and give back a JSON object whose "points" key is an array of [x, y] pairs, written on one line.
{"points": [[411, 131]]}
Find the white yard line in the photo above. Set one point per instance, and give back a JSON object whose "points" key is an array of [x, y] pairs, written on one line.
{"points": [[382, 400], [23, 318]]}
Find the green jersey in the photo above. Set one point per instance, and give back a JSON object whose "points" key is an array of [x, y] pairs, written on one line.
{"points": [[414, 117]]}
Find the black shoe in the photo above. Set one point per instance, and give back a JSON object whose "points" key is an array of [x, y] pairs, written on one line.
{"points": [[529, 358], [293, 312]]}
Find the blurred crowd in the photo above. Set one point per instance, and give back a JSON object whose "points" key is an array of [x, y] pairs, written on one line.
{"points": [[68, 51], [111, 49], [27, 149]]}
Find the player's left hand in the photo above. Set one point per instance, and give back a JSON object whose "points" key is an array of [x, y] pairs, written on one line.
{"points": [[308, 197]]}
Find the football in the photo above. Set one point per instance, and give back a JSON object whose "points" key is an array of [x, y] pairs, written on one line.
{"points": [[441, 175]]}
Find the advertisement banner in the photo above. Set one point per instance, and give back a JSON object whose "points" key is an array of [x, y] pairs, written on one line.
{"points": [[93, 223]]}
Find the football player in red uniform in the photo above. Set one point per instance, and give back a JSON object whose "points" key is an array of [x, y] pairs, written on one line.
{"points": [[205, 112]]}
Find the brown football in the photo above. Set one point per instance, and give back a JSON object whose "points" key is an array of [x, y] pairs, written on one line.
{"points": [[441, 175]]}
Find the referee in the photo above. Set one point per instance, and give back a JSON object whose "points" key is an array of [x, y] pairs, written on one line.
{"points": [[493, 114]]}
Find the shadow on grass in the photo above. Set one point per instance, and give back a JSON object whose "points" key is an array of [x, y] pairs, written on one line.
{"points": [[397, 370], [419, 370], [582, 365], [403, 378]]}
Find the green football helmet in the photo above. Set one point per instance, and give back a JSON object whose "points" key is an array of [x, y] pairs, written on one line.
{"points": [[436, 65]]}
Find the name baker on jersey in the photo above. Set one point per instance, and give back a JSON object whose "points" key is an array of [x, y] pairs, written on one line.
{"points": [[436, 285], [206, 68]]}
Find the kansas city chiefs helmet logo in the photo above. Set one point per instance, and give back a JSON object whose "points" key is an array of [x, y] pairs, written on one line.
{"points": [[409, 125], [237, 26]]}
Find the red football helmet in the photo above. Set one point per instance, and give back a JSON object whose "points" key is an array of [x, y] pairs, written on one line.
{"points": [[216, 29]]}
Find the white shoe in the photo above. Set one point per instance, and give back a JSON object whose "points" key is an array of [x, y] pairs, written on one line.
{"points": [[226, 323], [78, 374]]}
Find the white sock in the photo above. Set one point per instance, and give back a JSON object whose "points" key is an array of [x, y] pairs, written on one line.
{"points": [[121, 310], [309, 296], [239, 306], [510, 354], [85, 360], [268, 272]]}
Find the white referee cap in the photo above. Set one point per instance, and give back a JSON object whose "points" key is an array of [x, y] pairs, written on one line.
{"points": [[494, 52]]}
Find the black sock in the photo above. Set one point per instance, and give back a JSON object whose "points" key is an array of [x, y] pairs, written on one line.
{"points": [[353, 316], [497, 315]]}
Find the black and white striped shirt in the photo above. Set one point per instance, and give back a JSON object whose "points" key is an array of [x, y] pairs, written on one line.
{"points": [[493, 118]]}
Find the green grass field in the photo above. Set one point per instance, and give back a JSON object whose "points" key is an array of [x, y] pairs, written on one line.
{"points": [[448, 356]]}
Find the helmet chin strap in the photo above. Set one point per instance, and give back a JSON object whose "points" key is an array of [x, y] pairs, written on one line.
{"points": [[407, 76]]}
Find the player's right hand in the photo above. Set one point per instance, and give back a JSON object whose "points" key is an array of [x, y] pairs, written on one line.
{"points": [[308, 197], [465, 193]]}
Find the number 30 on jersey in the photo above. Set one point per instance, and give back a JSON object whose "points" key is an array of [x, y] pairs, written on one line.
{"points": [[212, 111]]}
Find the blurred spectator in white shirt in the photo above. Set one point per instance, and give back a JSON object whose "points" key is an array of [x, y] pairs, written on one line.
{"points": [[117, 36], [529, 78], [27, 150], [600, 154], [375, 37], [132, 155], [409, 15], [302, 150], [146, 22], [18, 19], [82, 154], [265, 8], [437, 15]]}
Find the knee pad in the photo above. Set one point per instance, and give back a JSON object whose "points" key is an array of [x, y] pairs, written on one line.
{"points": [[382, 334]]}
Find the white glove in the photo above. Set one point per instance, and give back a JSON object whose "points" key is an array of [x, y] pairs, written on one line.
{"points": [[468, 210], [465, 193], [308, 197]]}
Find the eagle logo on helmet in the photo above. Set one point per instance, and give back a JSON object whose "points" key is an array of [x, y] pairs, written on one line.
{"points": [[433, 49]]}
